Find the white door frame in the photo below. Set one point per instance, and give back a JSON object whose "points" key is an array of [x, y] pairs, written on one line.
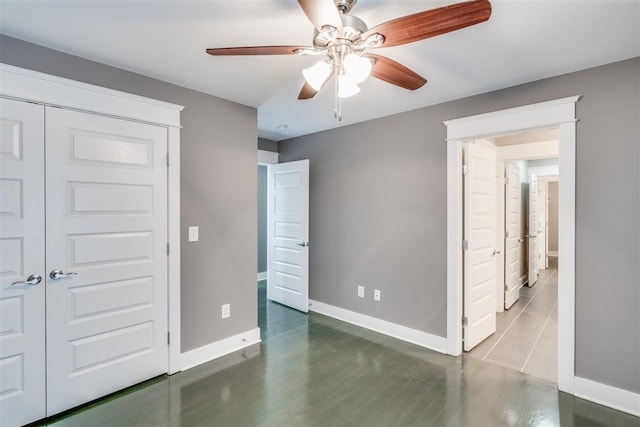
{"points": [[266, 158], [26, 85], [557, 113]]}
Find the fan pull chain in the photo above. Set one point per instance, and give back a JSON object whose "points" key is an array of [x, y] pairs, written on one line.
{"points": [[337, 113]]}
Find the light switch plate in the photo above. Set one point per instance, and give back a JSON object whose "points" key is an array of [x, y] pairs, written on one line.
{"points": [[194, 232], [376, 294], [361, 291], [226, 311]]}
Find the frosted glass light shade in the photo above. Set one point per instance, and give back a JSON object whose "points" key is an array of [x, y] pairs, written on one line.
{"points": [[346, 86], [317, 74], [357, 67]]}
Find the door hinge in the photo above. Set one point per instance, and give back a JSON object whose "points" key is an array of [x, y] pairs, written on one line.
{"points": [[465, 245], [167, 159], [506, 288], [167, 248], [168, 338], [506, 233], [506, 181], [465, 169], [465, 321]]}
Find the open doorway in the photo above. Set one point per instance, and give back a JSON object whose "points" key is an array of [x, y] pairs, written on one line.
{"points": [[560, 113], [283, 227], [519, 329]]}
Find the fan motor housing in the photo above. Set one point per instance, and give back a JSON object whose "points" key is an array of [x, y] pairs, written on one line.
{"points": [[352, 28], [345, 6]]}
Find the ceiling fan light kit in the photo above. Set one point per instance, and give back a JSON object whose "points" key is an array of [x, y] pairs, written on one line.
{"points": [[344, 41]]}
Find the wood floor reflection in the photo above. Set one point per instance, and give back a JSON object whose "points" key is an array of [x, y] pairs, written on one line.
{"points": [[311, 370]]}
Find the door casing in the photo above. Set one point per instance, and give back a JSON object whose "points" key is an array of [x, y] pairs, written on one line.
{"points": [[559, 113], [32, 86]]}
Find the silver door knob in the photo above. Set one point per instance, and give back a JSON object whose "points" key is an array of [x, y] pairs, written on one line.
{"points": [[495, 252], [303, 244], [59, 274], [32, 280]]}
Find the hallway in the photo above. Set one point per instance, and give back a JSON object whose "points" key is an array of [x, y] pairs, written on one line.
{"points": [[312, 370], [526, 336]]}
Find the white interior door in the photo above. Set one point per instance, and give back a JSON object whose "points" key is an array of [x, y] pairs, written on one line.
{"points": [[22, 314], [533, 230], [542, 221], [288, 234], [106, 235], [480, 233], [513, 224]]}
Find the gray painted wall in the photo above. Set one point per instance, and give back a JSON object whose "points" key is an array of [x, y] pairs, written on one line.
{"points": [[378, 213], [218, 190], [553, 216], [262, 219], [267, 145]]}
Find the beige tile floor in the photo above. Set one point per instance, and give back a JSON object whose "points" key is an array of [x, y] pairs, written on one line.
{"points": [[526, 336]]}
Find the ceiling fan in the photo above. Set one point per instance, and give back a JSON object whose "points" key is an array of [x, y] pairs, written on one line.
{"points": [[344, 42]]}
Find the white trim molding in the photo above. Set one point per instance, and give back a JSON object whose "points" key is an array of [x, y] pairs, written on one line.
{"points": [[27, 85], [266, 158], [404, 333], [173, 201], [220, 348], [57, 91], [613, 397], [262, 275], [561, 114]]}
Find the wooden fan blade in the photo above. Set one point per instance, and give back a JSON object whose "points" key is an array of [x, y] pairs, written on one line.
{"points": [[321, 13], [430, 23], [309, 92], [395, 73], [256, 50]]}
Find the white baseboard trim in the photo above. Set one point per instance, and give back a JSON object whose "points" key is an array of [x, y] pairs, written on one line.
{"points": [[423, 339], [552, 253], [262, 276], [218, 349], [613, 397]]}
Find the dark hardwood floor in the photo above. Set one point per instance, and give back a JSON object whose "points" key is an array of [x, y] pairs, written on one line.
{"points": [[311, 370]]}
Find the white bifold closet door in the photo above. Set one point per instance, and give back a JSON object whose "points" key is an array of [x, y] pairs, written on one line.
{"points": [[106, 221]]}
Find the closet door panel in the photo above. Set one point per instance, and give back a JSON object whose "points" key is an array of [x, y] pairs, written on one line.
{"points": [[22, 305], [106, 222]]}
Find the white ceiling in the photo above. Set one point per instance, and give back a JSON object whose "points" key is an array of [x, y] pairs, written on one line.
{"points": [[522, 41]]}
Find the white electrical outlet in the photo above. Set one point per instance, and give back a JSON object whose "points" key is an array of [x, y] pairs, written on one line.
{"points": [[376, 294], [361, 291], [226, 311], [193, 233]]}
